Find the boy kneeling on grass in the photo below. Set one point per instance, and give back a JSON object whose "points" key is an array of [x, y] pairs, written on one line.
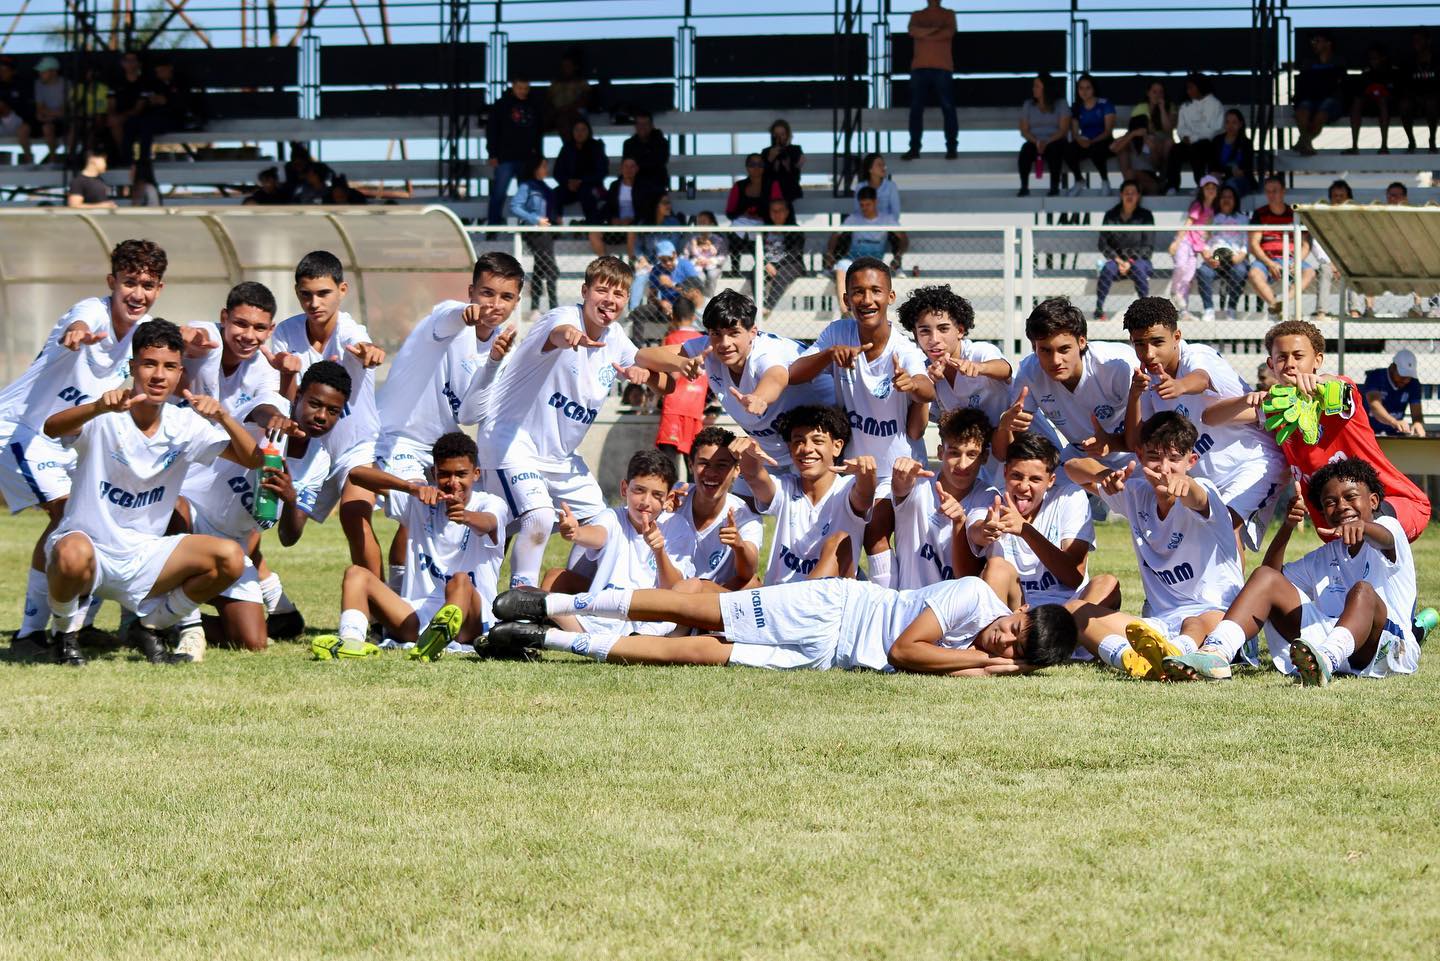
{"points": [[1343, 608], [455, 549]]}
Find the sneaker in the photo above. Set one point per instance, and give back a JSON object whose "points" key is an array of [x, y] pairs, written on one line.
{"points": [[1230, 313], [521, 605], [329, 647], [1133, 665], [1201, 665], [1312, 662], [285, 626], [1151, 645], [910, 155], [34, 646], [1209, 315], [190, 648], [443, 628], [511, 639], [150, 643], [951, 153], [1098, 315]]}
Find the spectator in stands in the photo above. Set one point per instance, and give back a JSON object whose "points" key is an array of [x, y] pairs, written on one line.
{"points": [[89, 108], [668, 280], [650, 150], [51, 93], [750, 198], [1190, 245], [315, 186], [1326, 273], [845, 247], [531, 206], [568, 99], [1374, 93], [144, 190], [1318, 89], [1224, 257], [873, 173], [15, 109], [1420, 89], [1161, 113], [784, 160], [125, 101], [1199, 124], [1135, 152], [1268, 247], [784, 253], [1232, 155], [580, 170], [1127, 255], [268, 193], [647, 245], [341, 193], [707, 250], [623, 201], [166, 104], [513, 135], [1093, 131], [88, 190], [1045, 129], [932, 68], [1264, 376], [1393, 392]]}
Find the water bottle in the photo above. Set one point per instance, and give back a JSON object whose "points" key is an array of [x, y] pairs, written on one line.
{"points": [[1039, 166], [266, 509]]}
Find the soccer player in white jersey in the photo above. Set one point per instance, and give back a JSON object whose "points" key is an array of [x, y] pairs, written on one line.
{"points": [[1242, 460], [1037, 532], [550, 392], [132, 451], [966, 373], [881, 383], [222, 496], [456, 546], [928, 516], [727, 534], [83, 357], [1079, 388], [432, 373], [748, 368], [959, 628], [324, 332], [1346, 607], [1189, 561]]}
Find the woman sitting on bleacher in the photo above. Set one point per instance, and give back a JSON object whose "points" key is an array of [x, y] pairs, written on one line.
{"points": [[580, 171], [784, 253], [1224, 257], [1202, 119], [1093, 131], [1126, 254], [1045, 128], [887, 195], [750, 198], [1161, 114], [1232, 155]]}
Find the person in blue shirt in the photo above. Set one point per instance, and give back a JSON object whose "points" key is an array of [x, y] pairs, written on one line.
{"points": [[847, 247], [532, 205], [1392, 391], [1093, 131], [670, 276]]}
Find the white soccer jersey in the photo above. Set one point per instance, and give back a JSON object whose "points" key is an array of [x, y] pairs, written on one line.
{"points": [[1224, 449], [878, 413], [224, 492], [627, 562], [59, 378], [440, 549], [1186, 560], [1064, 515], [982, 393], [1326, 574], [1103, 390], [767, 350], [126, 484], [713, 560], [801, 527], [549, 399], [422, 394], [924, 537], [253, 382], [361, 422], [876, 617]]}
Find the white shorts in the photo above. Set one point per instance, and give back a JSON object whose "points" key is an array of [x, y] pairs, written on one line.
{"points": [[526, 489], [361, 455], [1398, 652], [1252, 493], [406, 459], [34, 469], [787, 627], [125, 577], [247, 586]]}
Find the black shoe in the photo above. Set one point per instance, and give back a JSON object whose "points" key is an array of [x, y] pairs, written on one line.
{"points": [[910, 155], [512, 640], [34, 646], [93, 637], [285, 626], [951, 154], [521, 605], [1023, 192], [67, 650], [150, 643]]}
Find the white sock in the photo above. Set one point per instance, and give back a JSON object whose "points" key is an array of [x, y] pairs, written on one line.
{"points": [[1112, 650], [396, 580], [881, 569], [1339, 644], [161, 612], [37, 603], [66, 616], [190, 620], [354, 625], [1183, 642], [276, 600], [611, 602], [586, 645], [529, 550], [1226, 640], [92, 610]]}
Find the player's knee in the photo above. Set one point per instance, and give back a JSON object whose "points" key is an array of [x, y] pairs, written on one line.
{"points": [[230, 561], [355, 573], [1362, 593], [535, 526], [73, 556]]}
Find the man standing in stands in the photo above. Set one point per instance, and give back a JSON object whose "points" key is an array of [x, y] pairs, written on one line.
{"points": [[651, 153], [931, 66], [513, 133]]}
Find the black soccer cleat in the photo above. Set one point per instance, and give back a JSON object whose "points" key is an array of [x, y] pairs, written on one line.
{"points": [[512, 640], [521, 605], [67, 650], [34, 646], [284, 626], [150, 643]]}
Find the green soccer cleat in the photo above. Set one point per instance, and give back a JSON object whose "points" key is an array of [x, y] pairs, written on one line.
{"points": [[329, 647], [1310, 660], [1198, 665], [1150, 644], [443, 628]]}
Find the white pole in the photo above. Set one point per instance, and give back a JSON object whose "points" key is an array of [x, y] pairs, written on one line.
{"points": [[760, 272], [1011, 315]]}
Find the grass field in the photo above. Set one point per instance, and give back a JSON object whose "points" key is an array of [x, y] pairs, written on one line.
{"points": [[263, 806]]}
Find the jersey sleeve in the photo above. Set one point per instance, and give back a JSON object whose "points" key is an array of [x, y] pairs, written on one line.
{"points": [[474, 405], [1224, 382], [910, 356], [613, 534], [446, 321], [490, 504], [693, 346], [1123, 502], [954, 605], [1076, 522], [784, 489], [982, 351], [205, 441]]}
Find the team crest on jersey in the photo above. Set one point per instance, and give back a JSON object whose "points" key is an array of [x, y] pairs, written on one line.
{"points": [[1182, 410], [1104, 412], [168, 458], [650, 561], [606, 376], [1175, 540], [715, 559], [882, 389], [975, 399]]}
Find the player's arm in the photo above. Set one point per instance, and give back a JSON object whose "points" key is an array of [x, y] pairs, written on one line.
{"points": [[1015, 420], [1086, 471], [1376, 402], [242, 449], [1065, 560], [962, 552], [1192, 494], [277, 480], [665, 358], [997, 369], [772, 384], [918, 650], [745, 552], [1235, 410], [377, 481], [1135, 408], [1294, 517], [753, 459], [592, 537], [917, 418], [68, 422], [807, 367], [481, 522], [1417, 419]]}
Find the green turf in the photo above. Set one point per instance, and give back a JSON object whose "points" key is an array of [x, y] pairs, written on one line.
{"points": [[263, 806]]}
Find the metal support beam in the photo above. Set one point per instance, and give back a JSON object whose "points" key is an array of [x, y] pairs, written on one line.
{"points": [[1264, 78], [455, 124], [849, 106]]}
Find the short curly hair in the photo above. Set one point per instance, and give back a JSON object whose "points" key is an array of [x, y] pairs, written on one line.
{"points": [[139, 257], [966, 423], [454, 444], [1150, 312], [1295, 328], [937, 299], [831, 420], [327, 373], [1350, 469]]}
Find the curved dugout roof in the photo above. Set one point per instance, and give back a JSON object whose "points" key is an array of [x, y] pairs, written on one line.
{"points": [[399, 261], [1380, 247]]}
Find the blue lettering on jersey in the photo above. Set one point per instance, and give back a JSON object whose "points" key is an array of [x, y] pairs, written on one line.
{"points": [[1043, 584], [930, 554], [757, 608], [572, 410], [523, 476], [241, 486], [1176, 574], [795, 562], [123, 498], [1203, 443], [873, 427], [452, 399], [427, 564], [74, 396]]}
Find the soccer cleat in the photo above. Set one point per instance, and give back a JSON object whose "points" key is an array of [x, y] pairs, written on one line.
{"points": [[329, 647], [1310, 660], [285, 626], [1150, 644], [521, 605], [67, 650], [190, 648], [512, 639], [1133, 665], [1198, 665], [443, 628], [150, 643], [32, 647]]}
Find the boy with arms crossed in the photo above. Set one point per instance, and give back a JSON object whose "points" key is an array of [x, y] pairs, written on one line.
{"points": [[966, 373], [881, 383], [132, 451], [1344, 608]]}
